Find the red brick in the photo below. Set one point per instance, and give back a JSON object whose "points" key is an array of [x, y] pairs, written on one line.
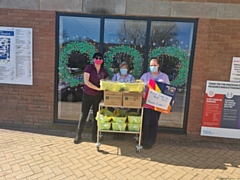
{"points": [[36, 101], [215, 46]]}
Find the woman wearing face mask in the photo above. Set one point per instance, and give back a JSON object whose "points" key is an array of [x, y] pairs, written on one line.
{"points": [[123, 75], [151, 117], [92, 95]]}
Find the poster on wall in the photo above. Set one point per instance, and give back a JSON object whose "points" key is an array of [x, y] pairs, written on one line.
{"points": [[221, 113], [235, 70], [16, 55]]}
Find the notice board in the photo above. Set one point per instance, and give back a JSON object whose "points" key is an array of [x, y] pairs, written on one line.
{"points": [[235, 70], [221, 113], [16, 55]]}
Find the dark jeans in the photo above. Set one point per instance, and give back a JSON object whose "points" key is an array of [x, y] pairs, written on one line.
{"points": [[87, 102], [150, 126]]}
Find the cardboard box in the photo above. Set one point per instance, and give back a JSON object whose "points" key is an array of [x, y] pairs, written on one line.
{"points": [[112, 98], [132, 99]]}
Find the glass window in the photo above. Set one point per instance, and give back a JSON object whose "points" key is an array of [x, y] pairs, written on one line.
{"points": [[124, 40], [79, 39], [171, 42], [127, 39]]}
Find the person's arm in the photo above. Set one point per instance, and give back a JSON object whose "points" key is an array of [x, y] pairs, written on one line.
{"points": [[143, 79], [166, 80], [114, 78], [132, 78], [88, 83]]}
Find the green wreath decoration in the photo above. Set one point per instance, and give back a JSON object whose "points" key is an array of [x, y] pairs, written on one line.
{"points": [[137, 60], [177, 53], [81, 47]]}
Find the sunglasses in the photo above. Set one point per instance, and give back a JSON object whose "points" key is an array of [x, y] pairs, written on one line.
{"points": [[98, 58]]}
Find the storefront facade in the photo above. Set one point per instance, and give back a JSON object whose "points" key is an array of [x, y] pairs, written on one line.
{"points": [[194, 41]]}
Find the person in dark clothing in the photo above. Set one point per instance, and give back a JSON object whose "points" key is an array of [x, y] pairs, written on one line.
{"points": [[92, 94]]}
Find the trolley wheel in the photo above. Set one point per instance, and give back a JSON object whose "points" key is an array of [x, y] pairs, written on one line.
{"points": [[138, 150], [98, 149], [101, 138]]}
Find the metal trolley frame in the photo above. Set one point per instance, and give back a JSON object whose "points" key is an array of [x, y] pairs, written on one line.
{"points": [[138, 134]]}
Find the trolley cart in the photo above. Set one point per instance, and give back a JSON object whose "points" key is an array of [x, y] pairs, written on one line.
{"points": [[138, 134]]}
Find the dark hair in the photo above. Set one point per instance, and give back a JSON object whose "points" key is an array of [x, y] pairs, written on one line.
{"points": [[98, 54], [158, 62]]}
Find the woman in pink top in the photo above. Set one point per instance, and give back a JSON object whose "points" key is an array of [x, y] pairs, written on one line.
{"points": [[151, 117], [92, 95]]}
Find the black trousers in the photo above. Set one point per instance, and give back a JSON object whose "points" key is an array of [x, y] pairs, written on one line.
{"points": [[150, 126], [89, 101]]}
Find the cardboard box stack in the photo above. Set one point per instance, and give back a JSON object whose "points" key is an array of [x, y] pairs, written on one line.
{"points": [[122, 94]]}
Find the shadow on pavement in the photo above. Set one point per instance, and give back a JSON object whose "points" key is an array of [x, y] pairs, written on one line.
{"points": [[202, 155], [194, 154]]}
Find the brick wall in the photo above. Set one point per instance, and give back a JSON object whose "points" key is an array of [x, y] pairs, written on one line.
{"points": [[22, 105], [218, 41]]}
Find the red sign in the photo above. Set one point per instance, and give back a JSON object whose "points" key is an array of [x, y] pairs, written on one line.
{"points": [[212, 112]]}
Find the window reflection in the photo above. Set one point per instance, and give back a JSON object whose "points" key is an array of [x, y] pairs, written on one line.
{"points": [[79, 29], [162, 34], [171, 42], [124, 40], [78, 40]]}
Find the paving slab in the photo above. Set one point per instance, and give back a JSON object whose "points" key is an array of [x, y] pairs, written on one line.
{"points": [[46, 154]]}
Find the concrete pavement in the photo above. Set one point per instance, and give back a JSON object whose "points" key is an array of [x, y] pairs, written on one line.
{"points": [[52, 155]]}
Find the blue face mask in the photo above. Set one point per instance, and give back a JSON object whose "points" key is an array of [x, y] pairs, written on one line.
{"points": [[153, 69], [123, 71]]}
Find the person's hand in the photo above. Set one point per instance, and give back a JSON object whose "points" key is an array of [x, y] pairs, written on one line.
{"points": [[98, 89], [172, 103]]}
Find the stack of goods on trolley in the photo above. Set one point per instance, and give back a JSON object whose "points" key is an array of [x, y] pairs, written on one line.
{"points": [[121, 97], [118, 120]]}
